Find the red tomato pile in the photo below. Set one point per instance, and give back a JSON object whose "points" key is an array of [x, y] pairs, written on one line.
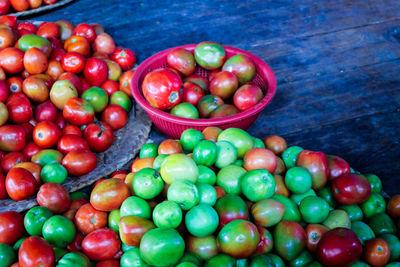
{"points": [[10, 6], [212, 198], [62, 97], [227, 90]]}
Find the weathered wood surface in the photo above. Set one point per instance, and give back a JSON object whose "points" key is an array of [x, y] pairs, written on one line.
{"points": [[337, 64]]}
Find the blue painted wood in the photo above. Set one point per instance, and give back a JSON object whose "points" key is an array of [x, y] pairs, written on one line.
{"points": [[337, 64]]}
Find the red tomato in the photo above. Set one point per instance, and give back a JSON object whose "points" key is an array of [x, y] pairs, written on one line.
{"points": [[61, 121], [393, 207], [317, 164], [35, 61], [20, 184], [76, 244], [79, 163], [247, 96], [30, 149], [54, 69], [377, 252], [110, 87], [12, 138], [101, 244], [48, 30], [108, 263], [170, 146], [28, 128], [12, 60], [115, 116], [85, 84], [15, 84], [349, 189], [161, 88], [11, 227], [124, 57], [109, 194], [10, 21], [125, 82], [19, 5], [72, 129], [192, 93], [96, 71], [4, 7], [46, 134], [260, 158], [34, 251], [99, 135], [3, 91], [339, 247], [3, 190], [27, 25], [86, 31], [88, 219], [57, 54], [73, 62], [54, 197], [78, 111], [72, 142], [337, 166], [19, 108], [104, 43], [74, 79], [46, 111], [11, 159]]}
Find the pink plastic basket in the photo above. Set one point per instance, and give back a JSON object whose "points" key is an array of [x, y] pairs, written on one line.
{"points": [[172, 125]]}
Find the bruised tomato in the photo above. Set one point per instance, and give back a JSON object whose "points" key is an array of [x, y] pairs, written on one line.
{"points": [[54, 197], [12, 60], [124, 57], [99, 135], [20, 184], [79, 162]]}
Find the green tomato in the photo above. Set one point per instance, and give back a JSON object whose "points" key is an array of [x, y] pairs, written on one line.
{"points": [[186, 264], [337, 218], [59, 231], [97, 97], [190, 138], [147, 183], [242, 263], [258, 143], [376, 183], [7, 255], [132, 258], [184, 193], [382, 224], [158, 161], [46, 156], [207, 194], [162, 247], [314, 209], [373, 205], [394, 245], [185, 110], [32, 40], [276, 260], [205, 153], [192, 258], [18, 243], [78, 194], [135, 206], [179, 167], [201, 220], [303, 260], [363, 231], [206, 175], [239, 138], [298, 180], [229, 179], [257, 185], [125, 247], [53, 173], [289, 156], [209, 55], [149, 150], [167, 214], [238, 162], [226, 154], [260, 261], [315, 264], [326, 193], [121, 99], [221, 260], [35, 218], [76, 259], [354, 211], [292, 212], [297, 198], [59, 252], [113, 219]]}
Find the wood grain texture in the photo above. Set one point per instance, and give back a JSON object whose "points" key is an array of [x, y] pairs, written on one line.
{"points": [[337, 64]]}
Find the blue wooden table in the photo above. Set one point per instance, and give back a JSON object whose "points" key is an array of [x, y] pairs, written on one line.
{"points": [[337, 64]]}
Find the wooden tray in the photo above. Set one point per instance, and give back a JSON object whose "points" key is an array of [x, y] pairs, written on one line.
{"points": [[127, 144], [41, 9]]}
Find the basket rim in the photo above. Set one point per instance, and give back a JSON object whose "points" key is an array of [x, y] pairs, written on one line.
{"points": [[152, 111]]}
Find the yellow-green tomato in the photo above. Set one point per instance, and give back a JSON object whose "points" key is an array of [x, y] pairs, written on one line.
{"points": [[184, 193], [179, 167], [239, 138]]}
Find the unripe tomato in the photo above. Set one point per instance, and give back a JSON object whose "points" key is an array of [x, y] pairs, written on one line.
{"points": [[181, 60]]}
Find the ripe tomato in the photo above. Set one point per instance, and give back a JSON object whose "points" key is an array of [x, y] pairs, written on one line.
{"points": [[260, 158], [170, 146], [28, 128], [192, 93], [101, 244], [20, 184], [77, 44], [11, 227], [3, 91], [124, 57], [80, 162], [12, 60], [99, 135], [88, 219], [27, 25], [72, 129], [109, 194], [96, 71], [72, 142], [4, 7], [30, 149], [33, 168], [12, 138], [125, 82], [61, 121], [247, 96], [46, 111], [19, 5], [73, 62], [46, 134], [110, 87], [10, 21], [108, 263], [36, 89], [86, 31], [19, 108], [35, 61], [349, 189], [115, 116], [57, 54], [275, 143], [48, 30], [317, 164], [11, 159], [34, 251], [7, 37], [337, 166], [393, 207], [3, 190], [104, 43], [78, 111], [377, 252], [54, 197], [15, 84], [76, 244], [54, 69]]}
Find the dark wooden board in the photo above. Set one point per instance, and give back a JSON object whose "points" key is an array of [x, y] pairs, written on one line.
{"points": [[337, 64]]}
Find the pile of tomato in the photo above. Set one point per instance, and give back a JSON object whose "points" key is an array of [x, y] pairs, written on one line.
{"points": [[7, 6], [227, 91], [213, 198], [62, 96]]}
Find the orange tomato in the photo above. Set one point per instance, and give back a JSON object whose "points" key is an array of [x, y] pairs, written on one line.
{"points": [[393, 207], [170, 146], [211, 133], [88, 219], [377, 252], [280, 166], [7, 37], [19, 5], [280, 186], [35, 61], [33, 168], [314, 232], [77, 44], [260, 158], [125, 82], [139, 164], [275, 143]]}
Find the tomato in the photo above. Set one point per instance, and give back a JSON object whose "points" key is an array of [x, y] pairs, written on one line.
{"points": [[223, 111], [224, 84], [377, 252], [12, 60], [229, 178], [337, 166], [46, 134], [125, 82], [54, 197], [124, 57], [381, 224], [11, 159], [290, 239], [298, 180], [104, 44], [257, 184], [109, 194], [46, 111], [208, 104], [202, 220], [373, 205], [121, 99], [86, 31], [242, 66], [59, 231], [209, 55], [161, 88], [7, 37], [61, 92], [66, 28], [314, 209], [97, 97], [15, 84], [376, 183], [351, 189], [72, 142], [20, 184], [74, 79], [181, 60], [78, 111], [19, 5], [108, 263], [169, 146], [4, 7], [34, 220], [239, 138], [99, 136], [30, 149], [11, 227], [79, 162], [72, 129], [101, 244], [110, 87], [147, 183], [139, 164], [48, 30], [167, 214], [54, 173], [267, 212], [393, 207], [292, 212], [260, 158], [35, 61], [280, 188], [88, 219], [339, 247], [34, 251], [317, 164], [187, 200], [77, 44], [199, 80], [231, 207], [201, 247], [132, 229], [4, 92], [115, 116], [178, 167], [314, 232], [114, 70], [95, 71], [192, 93], [36, 89], [73, 62], [19, 108]]}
